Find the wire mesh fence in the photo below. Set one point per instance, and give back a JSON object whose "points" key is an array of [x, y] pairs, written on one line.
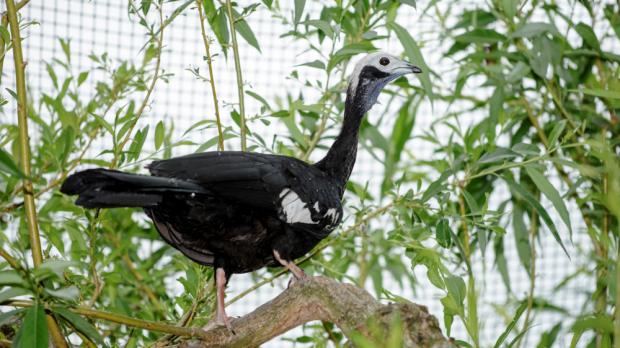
{"points": [[102, 26]]}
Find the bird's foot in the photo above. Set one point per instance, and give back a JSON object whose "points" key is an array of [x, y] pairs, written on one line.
{"points": [[219, 321]]}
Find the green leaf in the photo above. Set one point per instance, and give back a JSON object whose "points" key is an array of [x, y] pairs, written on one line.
{"points": [[52, 74], [500, 154], [4, 34], [354, 48], [80, 324], [411, 3], [4, 317], [66, 48], [242, 27], [321, 25], [456, 289], [518, 72], [534, 29], [602, 93], [510, 7], [401, 133], [548, 190], [540, 56], [314, 64], [511, 325], [69, 293], [299, 10], [480, 35], [10, 278], [557, 130], [542, 212], [33, 333], [443, 233], [526, 149], [57, 267], [12, 292], [495, 112], [82, 77], [548, 338], [588, 36], [159, 135], [9, 166], [412, 51], [436, 186], [522, 241], [600, 323]]}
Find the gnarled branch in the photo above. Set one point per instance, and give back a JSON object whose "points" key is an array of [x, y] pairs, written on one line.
{"points": [[319, 298]]}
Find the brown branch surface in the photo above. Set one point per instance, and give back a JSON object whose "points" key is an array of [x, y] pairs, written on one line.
{"points": [[319, 298]]}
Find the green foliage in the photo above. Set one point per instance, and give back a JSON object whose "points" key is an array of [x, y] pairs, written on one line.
{"points": [[532, 118]]}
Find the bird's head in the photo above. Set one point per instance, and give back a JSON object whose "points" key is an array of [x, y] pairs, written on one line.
{"points": [[372, 73]]}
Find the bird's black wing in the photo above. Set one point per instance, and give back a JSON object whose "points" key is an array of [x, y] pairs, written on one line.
{"points": [[254, 179]]}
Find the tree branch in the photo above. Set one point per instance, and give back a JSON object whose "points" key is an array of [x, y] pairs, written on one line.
{"points": [[320, 298]]}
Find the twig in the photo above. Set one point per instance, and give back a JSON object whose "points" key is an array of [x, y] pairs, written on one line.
{"points": [[139, 279], [235, 47], [530, 297], [205, 40], [24, 147], [10, 260], [149, 91], [120, 319], [5, 22]]}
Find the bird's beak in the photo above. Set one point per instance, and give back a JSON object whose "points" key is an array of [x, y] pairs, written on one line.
{"points": [[406, 68]]}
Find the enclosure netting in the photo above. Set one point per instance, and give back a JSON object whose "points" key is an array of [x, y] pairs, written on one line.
{"points": [[103, 26]]}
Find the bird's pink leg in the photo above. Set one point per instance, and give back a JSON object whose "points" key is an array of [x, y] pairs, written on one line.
{"points": [[298, 273], [221, 319]]}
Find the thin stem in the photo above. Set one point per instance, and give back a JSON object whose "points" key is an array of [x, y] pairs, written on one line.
{"points": [[10, 260], [472, 305], [205, 40], [530, 297], [600, 294], [24, 147], [138, 277], [235, 47], [149, 91], [121, 319], [617, 310], [5, 22]]}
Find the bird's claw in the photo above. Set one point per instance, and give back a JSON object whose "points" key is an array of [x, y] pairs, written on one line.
{"points": [[296, 279], [219, 322]]}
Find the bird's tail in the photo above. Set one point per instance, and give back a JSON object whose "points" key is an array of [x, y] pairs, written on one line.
{"points": [[105, 188]]}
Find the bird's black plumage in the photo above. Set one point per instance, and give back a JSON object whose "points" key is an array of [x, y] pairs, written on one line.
{"points": [[240, 211]]}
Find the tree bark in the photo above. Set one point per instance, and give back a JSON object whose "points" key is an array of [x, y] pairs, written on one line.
{"points": [[350, 308]]}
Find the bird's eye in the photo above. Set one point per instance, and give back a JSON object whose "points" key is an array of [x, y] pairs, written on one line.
{"points": [[384, 61]]}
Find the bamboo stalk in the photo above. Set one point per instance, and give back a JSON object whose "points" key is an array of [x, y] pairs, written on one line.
{"points": [[24, 153], [5, 22], [235, 47], [205, 40]]}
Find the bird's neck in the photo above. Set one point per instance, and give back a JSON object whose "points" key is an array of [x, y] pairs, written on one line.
{"points": [[340, 159]]}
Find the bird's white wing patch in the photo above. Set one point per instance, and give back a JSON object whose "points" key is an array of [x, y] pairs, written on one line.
{"points": [[294, 209], [333, 214]]}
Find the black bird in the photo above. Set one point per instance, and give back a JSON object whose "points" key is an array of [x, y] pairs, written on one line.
{"points": [[241, 211]]}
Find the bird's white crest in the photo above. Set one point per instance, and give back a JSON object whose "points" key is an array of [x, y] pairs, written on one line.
{"points": [[373, 59], [294, 209]]}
